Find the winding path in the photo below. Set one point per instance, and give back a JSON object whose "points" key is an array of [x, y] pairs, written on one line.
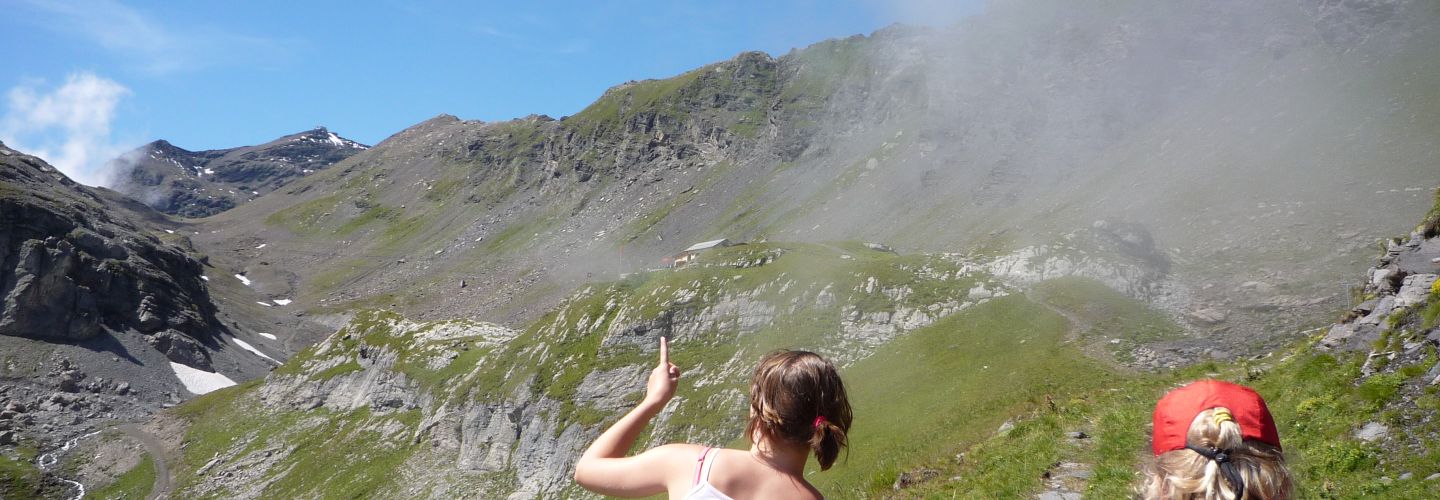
{"points": [[161, 489]]}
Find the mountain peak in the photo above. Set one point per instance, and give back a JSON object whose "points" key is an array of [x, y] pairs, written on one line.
{"points": [[203, 183]]}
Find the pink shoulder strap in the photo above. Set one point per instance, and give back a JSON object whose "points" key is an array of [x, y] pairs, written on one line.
{"points": [[700, 465]]}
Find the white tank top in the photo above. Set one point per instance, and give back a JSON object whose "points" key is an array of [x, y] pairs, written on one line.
{"points": [[703, 490]]}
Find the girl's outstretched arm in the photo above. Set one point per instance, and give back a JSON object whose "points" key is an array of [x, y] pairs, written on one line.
{"points": [[605, 469]]}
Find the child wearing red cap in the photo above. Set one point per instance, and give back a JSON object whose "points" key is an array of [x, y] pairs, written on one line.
{"points": [[1215, 440]]}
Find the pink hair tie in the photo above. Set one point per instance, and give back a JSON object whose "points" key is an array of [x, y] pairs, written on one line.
{"points": [[819, 421]]}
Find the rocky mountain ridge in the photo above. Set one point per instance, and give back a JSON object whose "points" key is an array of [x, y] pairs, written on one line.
{"points": [[887, 138], [104, 310], [203, 183]]}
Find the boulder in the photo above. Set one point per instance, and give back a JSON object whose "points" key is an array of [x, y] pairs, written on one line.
{"points": [[1415, 289], [1373, 431], [69, 380], [1207, 316], [180, 348], [148, 318]]}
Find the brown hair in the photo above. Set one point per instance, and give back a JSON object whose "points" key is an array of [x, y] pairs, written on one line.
{"points": [[1185, 474], [797, 396]]}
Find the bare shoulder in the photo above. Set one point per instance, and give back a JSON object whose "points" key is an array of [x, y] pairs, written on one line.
{"points": [[741, 476], [676, 450], [677, 457]]}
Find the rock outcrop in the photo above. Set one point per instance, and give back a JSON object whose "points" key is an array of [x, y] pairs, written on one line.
{"points": [[73, 263], [1402, 280]]}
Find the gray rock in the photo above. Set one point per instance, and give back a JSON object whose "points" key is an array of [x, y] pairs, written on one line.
{"points": [[1406, 476], [1005, 428], [182, 349], [45, 301], [1260, 287], [1208, 316], [148, 317], [1382, 309], [1380, 278], [911, 478], [1415, 289], [1433, 477], [7, 438], [1373, 431], [69, 380]]}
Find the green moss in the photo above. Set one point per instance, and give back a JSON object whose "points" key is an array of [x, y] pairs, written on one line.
{"points": [[929, 394], [371, 215], [443, 190], [1430, 226], [337, 370], [19, 477], [135, 483], [305, 217], [373, 458], [1116, 321]]}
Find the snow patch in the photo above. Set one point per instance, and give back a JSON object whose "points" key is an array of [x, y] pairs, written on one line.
{"points": [[262, 303], [208, 171], [262, 245], [246, 346], [199, 381], [171, 231], [243, 279], [203, 277], [266, 335], [282, 302], [335, 139]]}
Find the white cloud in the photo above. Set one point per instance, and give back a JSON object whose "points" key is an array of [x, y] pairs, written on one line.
{"points": [[150, 46], [69, 127]]}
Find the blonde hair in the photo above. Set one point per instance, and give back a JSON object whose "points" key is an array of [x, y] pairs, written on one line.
{"points": [[1187, 475], [797, 396]]}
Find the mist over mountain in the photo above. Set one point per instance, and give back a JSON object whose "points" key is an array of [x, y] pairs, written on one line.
{"points": [[202, 183], [1080, 204], [1255, 142]]}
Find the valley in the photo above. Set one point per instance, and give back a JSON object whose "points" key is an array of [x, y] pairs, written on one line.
{"points": [[1011, 234]]}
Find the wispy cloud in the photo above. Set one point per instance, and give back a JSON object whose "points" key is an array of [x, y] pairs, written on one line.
{"points": [[565, 47], [68, 127], [576, 46], [150, 46]]}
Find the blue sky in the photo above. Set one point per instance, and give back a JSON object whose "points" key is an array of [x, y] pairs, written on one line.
{"points": [[85, 80]]}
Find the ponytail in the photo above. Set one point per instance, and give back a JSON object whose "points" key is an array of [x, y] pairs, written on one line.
{"points": [[1218, 463], [826, 442], [798, 396]]}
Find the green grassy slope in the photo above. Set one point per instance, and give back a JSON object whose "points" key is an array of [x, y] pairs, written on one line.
{"points": [[924, 396], [927, 395]]}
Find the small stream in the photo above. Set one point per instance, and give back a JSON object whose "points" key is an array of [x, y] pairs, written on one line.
{"points": [[48, 460]]}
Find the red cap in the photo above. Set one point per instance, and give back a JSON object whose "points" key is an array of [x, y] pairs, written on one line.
{"points": [[1175, 412]]}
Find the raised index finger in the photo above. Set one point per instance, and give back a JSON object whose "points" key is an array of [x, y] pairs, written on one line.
{"points": [[664, 351]]}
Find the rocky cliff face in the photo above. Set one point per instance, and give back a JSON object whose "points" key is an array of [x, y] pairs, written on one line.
{"points": [[202, 183], [101, 310], [73, 266]]}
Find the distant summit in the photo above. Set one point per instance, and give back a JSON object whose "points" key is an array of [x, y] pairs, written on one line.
{"points": [[203, 183]]}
